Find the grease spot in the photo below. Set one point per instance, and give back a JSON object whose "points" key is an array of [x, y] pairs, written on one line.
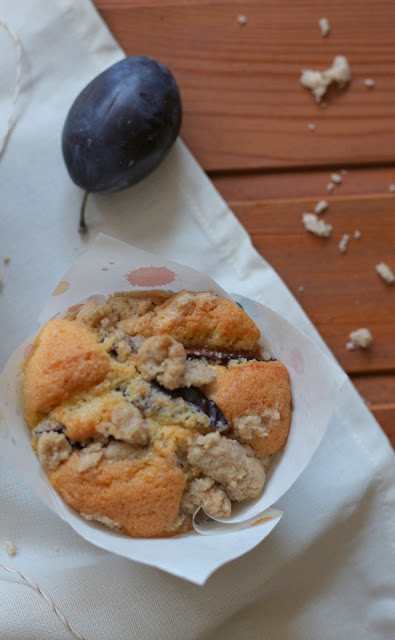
{"points": [[297, 361], [28, 350], [62, 287], [74, 308], [150, 277]]}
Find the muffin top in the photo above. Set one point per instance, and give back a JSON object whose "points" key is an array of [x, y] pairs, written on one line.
{"points": [[149, 405]]}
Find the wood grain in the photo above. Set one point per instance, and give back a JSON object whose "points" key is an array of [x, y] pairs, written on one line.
{"points": [[276, 185], [341, 292], [246, 120], [244, 107]]}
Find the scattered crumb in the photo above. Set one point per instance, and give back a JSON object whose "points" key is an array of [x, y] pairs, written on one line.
{"points": [[392, 188], [357, 234], [6, 259], [324, 26], [330, 318], [336, 178], [242, 19], [359, 339], [318, 81], [385, 273], [343, 243], [344, 172], [10, 548], [301, 288], [330, 187], [369, 82], [311, 126], [321, 206], [314, 225]]}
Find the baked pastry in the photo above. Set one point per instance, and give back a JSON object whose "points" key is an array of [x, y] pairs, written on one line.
{"points": [[151, 404]]}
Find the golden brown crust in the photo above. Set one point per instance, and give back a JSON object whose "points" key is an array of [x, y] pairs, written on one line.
{"points": [[66, 358], [116, 433], [254, 389], [143, 496], [198, 319]]}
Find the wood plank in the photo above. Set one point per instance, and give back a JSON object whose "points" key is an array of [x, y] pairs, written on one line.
{"points": [[386, 419], [301, 184], [378, 391], [341, 292], [243, 103]]}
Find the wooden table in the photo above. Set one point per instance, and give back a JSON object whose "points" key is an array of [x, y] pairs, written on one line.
{"points": [[246, 121]]}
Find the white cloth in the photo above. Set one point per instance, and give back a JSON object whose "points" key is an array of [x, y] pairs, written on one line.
{"points": [[328, 569]]}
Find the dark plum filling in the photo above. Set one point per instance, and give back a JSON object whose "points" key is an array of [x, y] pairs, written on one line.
{"points": [[199, 400]]}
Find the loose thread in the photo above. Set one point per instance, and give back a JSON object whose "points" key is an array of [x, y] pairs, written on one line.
{"points": [[47, 600], [18, 49]]}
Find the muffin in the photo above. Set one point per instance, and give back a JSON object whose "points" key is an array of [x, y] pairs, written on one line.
{"points": [[150, 405]]}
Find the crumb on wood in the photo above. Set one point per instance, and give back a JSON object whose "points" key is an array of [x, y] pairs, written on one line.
{"points": [[314, 225], [242, 19], [321, 206], [359, 339], [301, 288], [357, 234], [392, 188], [318, 81], [385, 273], [10, 548], [369, 82], [311, 126], [329, 187], [344, 243], [336, 178], [325, 27]]}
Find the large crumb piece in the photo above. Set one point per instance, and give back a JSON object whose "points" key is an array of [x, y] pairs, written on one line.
{"points": [[344, 243], [126, 424], [325, 27], [321, 206], [163, 358], [359, 339], [229, 463], [336, 178], [10, 548], [318, 227], [204, 492], [318, 81], [52, 448], [90, 456], [251, 426], [385, 273]]}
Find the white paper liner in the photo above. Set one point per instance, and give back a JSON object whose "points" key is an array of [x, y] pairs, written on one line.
{"points": [[111, 265]]}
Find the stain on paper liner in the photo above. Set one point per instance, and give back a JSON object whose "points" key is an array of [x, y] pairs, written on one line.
{"points": [[205, 524], [62, 287], [150, 277]]}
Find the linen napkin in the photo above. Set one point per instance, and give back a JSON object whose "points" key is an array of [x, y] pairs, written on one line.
{"points": [[328, 569]]}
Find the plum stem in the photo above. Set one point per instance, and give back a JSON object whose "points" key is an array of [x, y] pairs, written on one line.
{"points": [[83, 227]]}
